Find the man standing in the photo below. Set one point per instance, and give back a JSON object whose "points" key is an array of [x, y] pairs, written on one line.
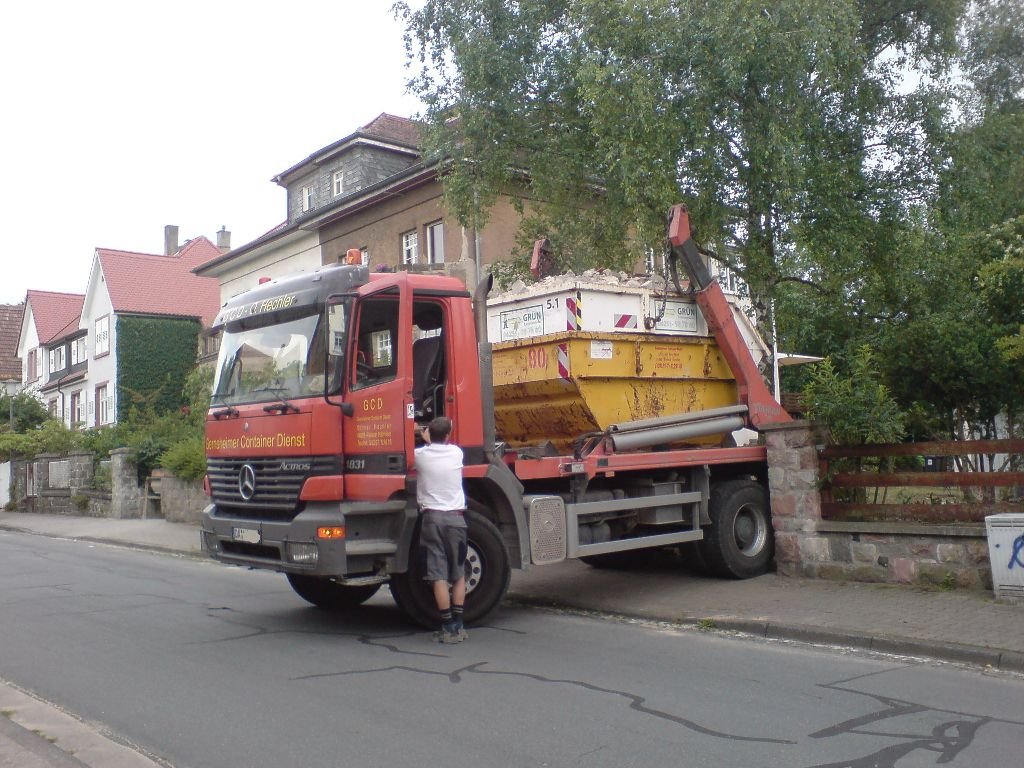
{"points": [[442, 506]]}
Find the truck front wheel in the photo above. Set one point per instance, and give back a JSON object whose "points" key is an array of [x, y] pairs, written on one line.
{"points": [[487, 577], [739, 543], [325, 593]]}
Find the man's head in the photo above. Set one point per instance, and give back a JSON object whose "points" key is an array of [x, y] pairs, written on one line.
{"points": [[439, 429]]}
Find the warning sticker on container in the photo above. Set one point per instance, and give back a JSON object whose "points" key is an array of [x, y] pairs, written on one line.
{"points": [[625, 322], [522, 323], [563, 360], [600, 350]]}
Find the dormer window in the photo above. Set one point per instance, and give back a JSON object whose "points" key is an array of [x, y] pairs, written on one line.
{"points": [[306, 194], [78, 351], [339, 183], [57, 359]]}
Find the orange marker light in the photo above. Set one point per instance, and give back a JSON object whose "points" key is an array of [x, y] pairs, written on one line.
{"points": [[331, 532], [353, 256]]}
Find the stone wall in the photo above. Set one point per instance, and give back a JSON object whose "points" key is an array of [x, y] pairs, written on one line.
{"points": [[899, 553], [181, 501], [63, 485]]}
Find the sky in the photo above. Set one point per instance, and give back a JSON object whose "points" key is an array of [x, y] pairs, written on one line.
{"points": [[118, 117]]}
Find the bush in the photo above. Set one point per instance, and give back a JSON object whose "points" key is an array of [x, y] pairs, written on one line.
{"points": [[856, 408], [186, 459]]}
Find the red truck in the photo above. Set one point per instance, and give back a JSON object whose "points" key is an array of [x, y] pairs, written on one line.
{"points": [[323, 379]]}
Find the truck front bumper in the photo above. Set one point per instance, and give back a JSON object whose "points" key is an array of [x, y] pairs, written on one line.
{"points": [[376, 539]]}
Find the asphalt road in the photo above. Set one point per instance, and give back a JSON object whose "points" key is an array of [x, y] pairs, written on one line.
{"points": [[205, 666]]}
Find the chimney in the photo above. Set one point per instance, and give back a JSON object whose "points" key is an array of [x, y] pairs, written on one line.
{"points": [[170, 239], [224, 239]]}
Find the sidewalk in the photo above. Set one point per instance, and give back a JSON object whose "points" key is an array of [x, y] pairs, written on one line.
{"points": [[958, 626]]}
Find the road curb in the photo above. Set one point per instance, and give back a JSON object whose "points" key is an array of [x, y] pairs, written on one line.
{"points": [[84, 744], [176, 551]]}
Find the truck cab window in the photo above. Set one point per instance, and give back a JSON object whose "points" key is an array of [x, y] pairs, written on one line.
{"points": [[376, 343], [428, 360]]}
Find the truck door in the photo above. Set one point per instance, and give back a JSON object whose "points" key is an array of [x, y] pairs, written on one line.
{"points": [[378, 435]]}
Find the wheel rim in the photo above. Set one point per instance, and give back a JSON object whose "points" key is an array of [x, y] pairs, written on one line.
{"points": [[750, 531], [474, 568]]}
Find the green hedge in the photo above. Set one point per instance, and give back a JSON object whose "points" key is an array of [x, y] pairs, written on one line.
{"points": [[154, 357]]}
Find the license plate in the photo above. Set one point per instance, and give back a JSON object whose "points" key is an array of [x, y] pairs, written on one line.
{"points": [[248, 535]]}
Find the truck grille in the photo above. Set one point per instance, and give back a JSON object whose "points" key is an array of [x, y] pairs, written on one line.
{"points": [[276, 484]]}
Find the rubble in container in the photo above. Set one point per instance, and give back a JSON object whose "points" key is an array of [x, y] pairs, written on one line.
{"points": [[591, 278]]}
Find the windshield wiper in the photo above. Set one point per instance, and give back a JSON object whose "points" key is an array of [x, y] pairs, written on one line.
{"points": [[226, 411], [283, 405]]}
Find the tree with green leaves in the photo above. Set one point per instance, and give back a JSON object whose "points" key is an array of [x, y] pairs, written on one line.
{"points": [[21, 412], [783, 126], [823, 148], [950, 351]]}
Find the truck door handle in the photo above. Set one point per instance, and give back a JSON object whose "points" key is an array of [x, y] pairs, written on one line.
{"points": [[394, 463]]}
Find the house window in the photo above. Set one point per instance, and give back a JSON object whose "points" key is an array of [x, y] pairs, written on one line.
{"points": [[104, 405], [306, 193], [211, 344], [366, 256], [102, 332], [728, 279], [77, 410], [32, 365], [435, 243], [51, 407], [410, 247], [57, 359], [338, 183], [78, 351]]}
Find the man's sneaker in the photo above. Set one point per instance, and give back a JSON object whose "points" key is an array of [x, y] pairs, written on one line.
{"points": [[450, 638], [450, 633]]}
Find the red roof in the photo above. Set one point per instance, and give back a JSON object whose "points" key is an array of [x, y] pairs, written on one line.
{"points": [[148, 284], [54, 312], [402, 130], [10, 331]]}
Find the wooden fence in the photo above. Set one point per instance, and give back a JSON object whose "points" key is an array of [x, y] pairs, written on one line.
{"points": [[951, 505]]}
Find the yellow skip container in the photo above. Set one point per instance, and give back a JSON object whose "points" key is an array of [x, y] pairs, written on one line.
{"points": [[556, 387]]}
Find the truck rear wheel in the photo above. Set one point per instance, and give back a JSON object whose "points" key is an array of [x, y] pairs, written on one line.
{"points": [[739, 543], [487, 577], [323, 592]]}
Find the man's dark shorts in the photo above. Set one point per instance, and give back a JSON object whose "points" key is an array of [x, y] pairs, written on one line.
{"points": [[443, 545]]}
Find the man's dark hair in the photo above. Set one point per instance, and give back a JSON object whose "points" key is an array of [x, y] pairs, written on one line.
{"points": [[440, 428]]}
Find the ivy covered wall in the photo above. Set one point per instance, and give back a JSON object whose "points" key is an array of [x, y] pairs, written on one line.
{"points": [[154, 357]]}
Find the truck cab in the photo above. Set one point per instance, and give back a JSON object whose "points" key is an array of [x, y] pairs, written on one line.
{"points": [[322, 382]]}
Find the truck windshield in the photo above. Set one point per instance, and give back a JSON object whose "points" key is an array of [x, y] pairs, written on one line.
{"points": [[283, 358]]}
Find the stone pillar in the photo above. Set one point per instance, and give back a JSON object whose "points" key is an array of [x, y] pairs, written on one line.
{"points": [[81, 470], [41, 470], [796, 498], [125, 496]]}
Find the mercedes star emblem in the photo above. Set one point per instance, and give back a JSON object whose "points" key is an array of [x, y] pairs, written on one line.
{"points": [[246, 481]]}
